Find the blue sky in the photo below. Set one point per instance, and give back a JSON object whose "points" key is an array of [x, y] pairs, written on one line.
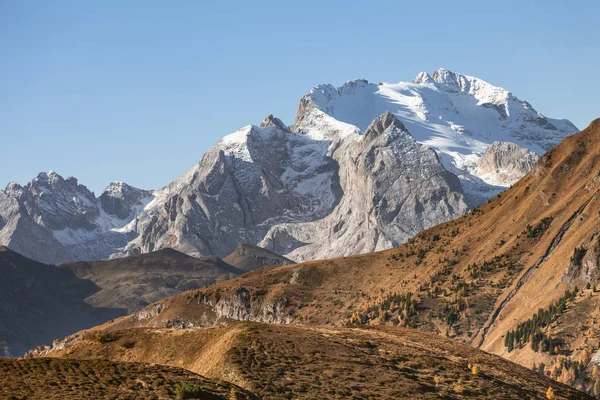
{"points": [[138, 90]]}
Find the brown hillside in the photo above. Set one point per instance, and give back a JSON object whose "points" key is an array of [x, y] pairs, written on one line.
{"points": [[280, 362], [61, 379]]}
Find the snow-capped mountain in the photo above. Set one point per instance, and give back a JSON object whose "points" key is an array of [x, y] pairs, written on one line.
{"points": [[457, 115], [364, 167]]}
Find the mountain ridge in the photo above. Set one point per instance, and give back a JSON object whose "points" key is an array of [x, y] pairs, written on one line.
{"points": [[283, 183]]}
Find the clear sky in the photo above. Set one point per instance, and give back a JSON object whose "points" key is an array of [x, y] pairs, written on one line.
{"points": [[137, 90]]}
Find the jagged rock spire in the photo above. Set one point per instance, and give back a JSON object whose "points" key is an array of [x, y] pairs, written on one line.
{"points": [[274, 121]]}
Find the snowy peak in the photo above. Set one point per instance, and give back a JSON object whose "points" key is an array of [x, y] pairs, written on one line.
{"points": [[67, 219], [486, 94], [422, 77], [459, 116], [364, 167]]}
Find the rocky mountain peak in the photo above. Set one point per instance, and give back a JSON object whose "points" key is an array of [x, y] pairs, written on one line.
{"points": [[446, 77], [270, 120], [422, 77], [52, 182], [72, 181], [14, 189], [381, 123], [351, 86], [122, 200]]}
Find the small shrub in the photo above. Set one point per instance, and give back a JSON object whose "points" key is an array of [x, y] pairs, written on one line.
{"points": [[188, 391], [578, 254]]}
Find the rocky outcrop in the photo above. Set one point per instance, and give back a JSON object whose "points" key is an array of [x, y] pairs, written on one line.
{"points": [[504, 163], [246, 305], [249, 257]]}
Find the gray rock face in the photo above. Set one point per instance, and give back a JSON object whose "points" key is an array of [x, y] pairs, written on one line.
{"points": [[324, 190], [393, 188], [22, 234], [504, 163], [121, 200], [243, 185]]}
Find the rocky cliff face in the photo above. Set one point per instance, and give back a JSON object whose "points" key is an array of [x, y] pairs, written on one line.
{"points": [[393, 188], [504, 163]]}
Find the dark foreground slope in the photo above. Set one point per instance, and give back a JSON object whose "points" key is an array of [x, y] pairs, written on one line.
{"points": [[59, 379], [40, 302], [300, 362]]}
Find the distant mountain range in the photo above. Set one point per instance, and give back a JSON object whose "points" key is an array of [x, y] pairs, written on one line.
{"points": [[364, 167]]}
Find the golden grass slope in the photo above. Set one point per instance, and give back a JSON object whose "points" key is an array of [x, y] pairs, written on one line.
{"points": [[62, 379], [301, 362]]}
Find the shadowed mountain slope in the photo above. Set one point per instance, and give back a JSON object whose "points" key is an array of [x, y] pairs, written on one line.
{"points": [[40, 302], [136, 281]]}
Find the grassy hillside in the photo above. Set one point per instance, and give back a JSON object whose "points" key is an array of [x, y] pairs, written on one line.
{"points": [[300, 362], [61, 379]]}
